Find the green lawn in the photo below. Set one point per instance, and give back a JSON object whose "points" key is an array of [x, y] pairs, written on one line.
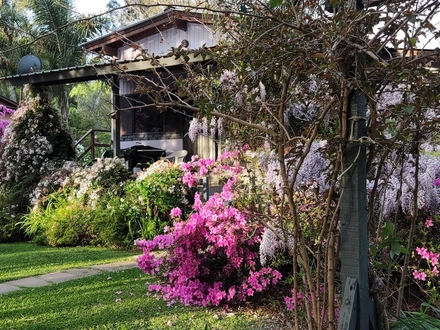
{"points": [[119, 302], [21, 260]]}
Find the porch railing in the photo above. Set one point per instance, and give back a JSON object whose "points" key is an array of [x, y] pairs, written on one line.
{"points": [[93, 145]]}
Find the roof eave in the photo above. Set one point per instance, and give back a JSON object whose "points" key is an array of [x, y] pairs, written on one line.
{"points": [[96, 72]]}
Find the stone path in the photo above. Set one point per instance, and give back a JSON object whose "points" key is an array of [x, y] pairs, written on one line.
{"points": [[63, 276]]}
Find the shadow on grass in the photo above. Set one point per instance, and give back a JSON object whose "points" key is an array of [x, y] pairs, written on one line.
{"points": [[99, 302], [20, 260]]}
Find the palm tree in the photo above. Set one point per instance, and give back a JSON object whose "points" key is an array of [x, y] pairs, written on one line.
{"points": [[15, 36], [59, 32]]}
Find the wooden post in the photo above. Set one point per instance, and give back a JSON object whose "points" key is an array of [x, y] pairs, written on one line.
{"points": [[357, 309], [115, 120], [354, 229], [92, 144]]}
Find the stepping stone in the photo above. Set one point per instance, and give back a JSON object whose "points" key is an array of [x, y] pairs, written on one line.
{"points": [[114, 267], [29, 282], [6, 288], [58, 277]]}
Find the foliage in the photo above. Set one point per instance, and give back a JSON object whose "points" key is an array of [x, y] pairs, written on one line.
{"points": [[427, 318], [60, 223], [59, 31], [102, 205], [150, 198], [89, 108], [74, 214]]}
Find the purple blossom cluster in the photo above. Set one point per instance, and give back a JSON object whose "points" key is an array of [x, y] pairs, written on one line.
{"points": [[313, 170], [397, 183], [270, 244], [4, 111], [203, 127]]}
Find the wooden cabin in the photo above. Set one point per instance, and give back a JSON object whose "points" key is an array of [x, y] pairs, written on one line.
{"points": [[128, 52]]}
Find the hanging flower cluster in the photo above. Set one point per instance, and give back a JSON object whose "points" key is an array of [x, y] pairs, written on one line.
{"points": [[395, 193], [201, 127]]}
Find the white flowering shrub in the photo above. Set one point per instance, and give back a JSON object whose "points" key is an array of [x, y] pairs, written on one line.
{"points": [[85, 210], [35, 143]]}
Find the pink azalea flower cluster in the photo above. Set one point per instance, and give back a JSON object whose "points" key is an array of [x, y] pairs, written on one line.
{"points": [[213, 256], [195, 169], [432, 260], [198, 168], [176, 212], [290, 301]]}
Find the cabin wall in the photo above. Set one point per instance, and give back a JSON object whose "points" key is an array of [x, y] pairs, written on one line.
{"points": [[161, 43], [205, 147]]}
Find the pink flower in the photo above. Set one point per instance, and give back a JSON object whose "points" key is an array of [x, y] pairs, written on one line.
{"points": [[428, 222], [437, 182], [434, 271], [423, 252], [176, 212], [419, 275]]}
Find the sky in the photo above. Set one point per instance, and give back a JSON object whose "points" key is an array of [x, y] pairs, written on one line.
{"points": [[91, 6]]}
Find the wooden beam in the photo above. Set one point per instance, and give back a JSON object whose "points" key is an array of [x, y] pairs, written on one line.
{"points": [[95, 72], [107, 50]]}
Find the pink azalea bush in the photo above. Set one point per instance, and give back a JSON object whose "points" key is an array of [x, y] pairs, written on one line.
{"points": [[212, 256]]}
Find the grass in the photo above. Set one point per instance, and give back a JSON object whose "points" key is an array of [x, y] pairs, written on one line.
{"points": [[98, 302], [21, 260]]}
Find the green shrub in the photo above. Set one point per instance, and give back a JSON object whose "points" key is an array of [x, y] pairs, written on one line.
{"points": [[111, 223], [102, 205], [78, 213], [150, 198], [61, 221]]}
